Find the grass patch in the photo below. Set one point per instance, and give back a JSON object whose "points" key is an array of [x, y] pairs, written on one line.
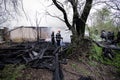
{"points": [[97, 56], [11, 72]]}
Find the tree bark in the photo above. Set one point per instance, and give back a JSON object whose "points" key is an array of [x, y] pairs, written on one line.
{"points": [[64, 13], [80, 23]]}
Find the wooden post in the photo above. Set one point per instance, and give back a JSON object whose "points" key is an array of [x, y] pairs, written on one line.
{"points": [[6, 34]]}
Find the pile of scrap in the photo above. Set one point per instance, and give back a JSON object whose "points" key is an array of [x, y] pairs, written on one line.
{"points": [[35, 54]]}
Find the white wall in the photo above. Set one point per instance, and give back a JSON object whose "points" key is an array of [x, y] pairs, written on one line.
{"points": [[28, 34]]}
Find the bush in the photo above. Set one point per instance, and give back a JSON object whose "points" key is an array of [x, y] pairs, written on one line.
{"points": [[96, 54], [11, 72], [115, 62]]}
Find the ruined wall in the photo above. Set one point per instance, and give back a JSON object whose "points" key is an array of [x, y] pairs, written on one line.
{"points": [[4, 34], [29, 34]]}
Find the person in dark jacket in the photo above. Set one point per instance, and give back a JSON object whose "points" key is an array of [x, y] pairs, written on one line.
{"points": [[118, 37], [58, 38], [53, 38]]}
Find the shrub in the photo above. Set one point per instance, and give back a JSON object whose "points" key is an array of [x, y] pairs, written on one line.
{"points": [[96, 54]]}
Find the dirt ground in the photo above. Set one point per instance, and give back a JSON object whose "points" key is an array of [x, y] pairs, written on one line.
{"points": [[72, 71]]}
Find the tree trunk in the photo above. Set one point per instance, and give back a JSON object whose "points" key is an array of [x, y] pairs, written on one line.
{"points": [[80, 23]]}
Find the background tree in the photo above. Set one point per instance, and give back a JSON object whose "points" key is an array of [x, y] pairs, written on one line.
{"points": [[102, 21], [114, 7], [8, 10], [102, 18]]}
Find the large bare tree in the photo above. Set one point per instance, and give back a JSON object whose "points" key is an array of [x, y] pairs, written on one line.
{"points": [[78, 18]]}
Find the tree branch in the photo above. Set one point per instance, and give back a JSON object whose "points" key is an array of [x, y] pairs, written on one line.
{"points": [[108, 3], [54, 16], [116, 6], [86, 10], [1, 2], [60, 4], [75, 12], [28, 19], [64, 14], [3, 20]]}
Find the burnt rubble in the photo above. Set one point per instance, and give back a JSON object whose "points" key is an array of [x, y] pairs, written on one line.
{"points": [[37, 55]]}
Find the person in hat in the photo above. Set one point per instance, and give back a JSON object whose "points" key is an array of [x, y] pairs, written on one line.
{"points": [[58, 38], [52, 38]]}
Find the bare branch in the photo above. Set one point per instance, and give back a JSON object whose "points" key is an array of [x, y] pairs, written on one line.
{"points": [[37, 19], [28, 19], [1, 2], [9, 7], [60, 4], [54, 16], [3, 20], [75, 11], [116, 6], [50, 5], [64, 13]]}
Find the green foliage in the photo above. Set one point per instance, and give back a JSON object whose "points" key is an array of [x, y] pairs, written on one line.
{"points": [[102, 21], [81, 70], [115, 62], [108, 26], [69, 50], [74, 66], [92, 63], [101, 16], [96, 53], [11, 72]]}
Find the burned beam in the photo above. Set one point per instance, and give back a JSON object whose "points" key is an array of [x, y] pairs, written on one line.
{"points": [[57, 73]]}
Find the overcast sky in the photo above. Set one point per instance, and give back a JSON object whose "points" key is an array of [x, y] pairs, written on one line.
{"points": [[39, 7]]}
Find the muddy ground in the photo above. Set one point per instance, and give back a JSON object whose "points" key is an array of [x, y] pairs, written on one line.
{"points": [[72, 71]]}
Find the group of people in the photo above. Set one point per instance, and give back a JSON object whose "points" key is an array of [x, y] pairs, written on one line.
{"points": [[107, 35], [110, 37], [56, 37]]}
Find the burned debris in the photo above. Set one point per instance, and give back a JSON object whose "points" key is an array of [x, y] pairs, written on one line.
{"points": [[35, 55], [108, 43]]}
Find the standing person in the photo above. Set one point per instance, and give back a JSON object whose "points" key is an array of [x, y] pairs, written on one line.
{"points": [[118, 37], [52, 38], [58, 38]]}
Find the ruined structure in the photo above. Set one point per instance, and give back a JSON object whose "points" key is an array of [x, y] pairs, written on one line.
{"points": [[29, 33], [4, 35]]}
